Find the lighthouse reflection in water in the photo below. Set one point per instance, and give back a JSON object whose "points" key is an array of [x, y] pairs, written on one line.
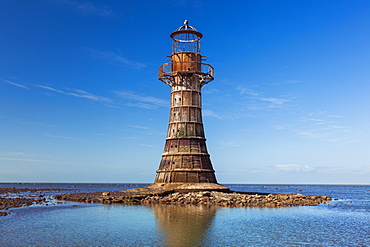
{"points": [[184, 225]]}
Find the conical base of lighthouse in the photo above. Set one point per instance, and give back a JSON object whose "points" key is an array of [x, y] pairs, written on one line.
{"points": [[188, 187], [169, 188]]}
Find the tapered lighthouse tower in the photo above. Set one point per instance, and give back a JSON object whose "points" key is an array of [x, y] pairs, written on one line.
{"points": [[185, 159]]}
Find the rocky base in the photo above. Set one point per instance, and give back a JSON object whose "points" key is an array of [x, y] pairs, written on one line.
{"points": [[232, 199], [188, 187], [237, 199], [161, 195]]}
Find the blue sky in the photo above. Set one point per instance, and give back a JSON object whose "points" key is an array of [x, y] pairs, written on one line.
{"points": [[80, 100]]}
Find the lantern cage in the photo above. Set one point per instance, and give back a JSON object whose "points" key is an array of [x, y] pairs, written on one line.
{"points": [[186, 39]]}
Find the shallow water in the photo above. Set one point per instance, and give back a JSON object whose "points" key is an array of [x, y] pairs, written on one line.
{"points": [[334, 224]]}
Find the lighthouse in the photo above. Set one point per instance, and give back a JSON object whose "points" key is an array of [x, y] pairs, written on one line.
{"points": [[185, 162]]}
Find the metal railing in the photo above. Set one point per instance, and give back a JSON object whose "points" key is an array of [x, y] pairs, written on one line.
{"points": [[168, 70]]}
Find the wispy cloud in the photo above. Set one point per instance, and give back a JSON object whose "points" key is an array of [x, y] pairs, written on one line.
{"points": [[139, 127], [224, 144], [332, 170], [12, 154], [210, 91], [116, 59], [260, 101], [16, 84], [310, 134], [294, 168], [233, 142], [248, 91], [62, 137], [147, 145], [279, 127], [134, 99], [22, 121], [352, 169], [77, 93], [88, 8], [33, 160], [321, 125], [83, 94], [210, 113], [273, 101], [20, 156], [50, 88], [317, 120]]}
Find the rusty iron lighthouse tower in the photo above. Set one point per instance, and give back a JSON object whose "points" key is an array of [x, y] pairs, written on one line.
{"points": [[185, 162]]}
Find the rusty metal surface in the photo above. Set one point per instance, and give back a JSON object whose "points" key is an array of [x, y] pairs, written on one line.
{"points": [[203, 70], [185, 158]]}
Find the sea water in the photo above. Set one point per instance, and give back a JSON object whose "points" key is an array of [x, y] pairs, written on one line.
{"points": [[341, 222]]}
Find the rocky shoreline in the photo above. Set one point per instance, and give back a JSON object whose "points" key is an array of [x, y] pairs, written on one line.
{"points": [[238, 200], [11, 198], [224, 199]]}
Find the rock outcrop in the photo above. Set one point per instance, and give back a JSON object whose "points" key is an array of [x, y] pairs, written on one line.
{"points": [[216, 198], [10, 198]]}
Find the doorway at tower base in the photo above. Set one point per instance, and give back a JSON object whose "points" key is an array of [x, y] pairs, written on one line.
{"points": [[188, 187]]}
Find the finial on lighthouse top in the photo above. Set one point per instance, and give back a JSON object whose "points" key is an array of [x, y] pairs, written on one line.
{"points": [[187, 27], [186, 39]]}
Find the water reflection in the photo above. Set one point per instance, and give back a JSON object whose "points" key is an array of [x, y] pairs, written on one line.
{"points": [[184, 225]]}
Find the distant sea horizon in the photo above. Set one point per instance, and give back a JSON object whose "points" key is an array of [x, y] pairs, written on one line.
{"points": [[231, 183]]}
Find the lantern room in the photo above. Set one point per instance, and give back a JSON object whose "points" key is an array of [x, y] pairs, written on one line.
{"points": [[185, 58], [186, 39]]}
